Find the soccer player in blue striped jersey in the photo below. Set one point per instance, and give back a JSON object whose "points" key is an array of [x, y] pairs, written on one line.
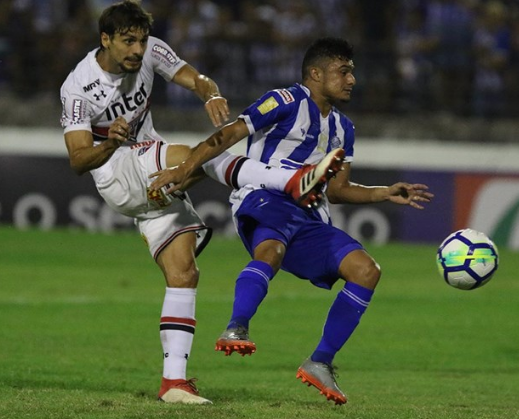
{"points": [[288, 128]]}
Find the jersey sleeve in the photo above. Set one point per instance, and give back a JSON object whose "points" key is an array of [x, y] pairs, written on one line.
{"points": [[273, 107], [76, 110], [163, 59], [349, 139]]}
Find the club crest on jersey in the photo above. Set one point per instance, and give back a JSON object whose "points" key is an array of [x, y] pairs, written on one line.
{"points": [[157, 198], [268, 105], [285, 95], [335, 142]]}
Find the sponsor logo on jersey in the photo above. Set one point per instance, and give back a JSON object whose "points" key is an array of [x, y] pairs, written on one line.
{"points": [[100, 95], [90, 86], [77, 111], [286, 96], [126, 104], [160, 51], [268, 105]]}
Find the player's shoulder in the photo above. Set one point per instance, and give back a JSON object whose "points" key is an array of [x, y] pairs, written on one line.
{"points": [[344, 119], [161, 51], [81, 76], [290, 95]]}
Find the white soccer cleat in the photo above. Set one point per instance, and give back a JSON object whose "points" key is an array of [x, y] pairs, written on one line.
{"points": [[180, 391]]}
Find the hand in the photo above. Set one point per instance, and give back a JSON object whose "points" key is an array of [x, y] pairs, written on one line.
{"points": [[409, 194], [218, 110], [172, 175], [119, 131]]}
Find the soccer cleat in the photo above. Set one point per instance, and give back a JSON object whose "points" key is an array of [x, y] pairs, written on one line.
{"points": [[180, 391], [235, 339], [308, 182], [321, 376]]}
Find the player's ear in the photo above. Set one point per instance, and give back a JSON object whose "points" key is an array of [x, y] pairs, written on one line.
{"points": [[315, 73], [105, 39]]}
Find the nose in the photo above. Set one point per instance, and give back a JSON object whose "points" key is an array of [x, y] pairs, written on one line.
{"points": [[138, 49], [351, 79]]}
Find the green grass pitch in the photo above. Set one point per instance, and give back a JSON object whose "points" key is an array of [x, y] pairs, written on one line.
{"points": [[79, 338]]}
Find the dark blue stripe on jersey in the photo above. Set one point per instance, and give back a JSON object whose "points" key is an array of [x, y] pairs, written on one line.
{"points": [[305, 149], [332, 128], [349, 136]]}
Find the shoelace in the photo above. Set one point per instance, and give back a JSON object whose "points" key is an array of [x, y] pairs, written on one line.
{"points": [[191, 383], [333, 370]]}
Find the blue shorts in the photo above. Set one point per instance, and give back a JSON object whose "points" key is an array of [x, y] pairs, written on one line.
{"points": [[314, 249]]}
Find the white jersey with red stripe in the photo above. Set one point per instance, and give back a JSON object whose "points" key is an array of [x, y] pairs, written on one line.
{"points": [[93, 98]]}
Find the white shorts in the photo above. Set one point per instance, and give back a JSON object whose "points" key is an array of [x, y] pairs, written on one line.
{"points": [[159, 217]]}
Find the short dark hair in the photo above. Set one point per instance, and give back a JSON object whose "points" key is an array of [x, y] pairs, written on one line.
{"points": [[326, 48], [124, 16]]}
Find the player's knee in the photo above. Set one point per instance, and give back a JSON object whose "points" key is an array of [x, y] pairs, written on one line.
{"points": [[183, 279], [360, 268], [176, 154], [371, 273]]}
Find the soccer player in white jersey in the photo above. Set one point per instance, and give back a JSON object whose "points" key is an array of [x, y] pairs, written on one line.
{"points": [[290, 127], [109, 132]]}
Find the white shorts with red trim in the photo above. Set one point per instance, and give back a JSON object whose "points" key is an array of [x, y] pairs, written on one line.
{"points": [[159, 216]]}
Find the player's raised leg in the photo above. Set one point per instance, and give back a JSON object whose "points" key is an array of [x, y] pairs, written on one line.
{"points": [[305, 184]]}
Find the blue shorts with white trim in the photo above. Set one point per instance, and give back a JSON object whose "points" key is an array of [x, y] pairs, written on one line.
{"points": [[314, 249]]}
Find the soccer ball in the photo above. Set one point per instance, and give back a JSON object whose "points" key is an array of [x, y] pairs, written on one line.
{"points": [[467, 259]]}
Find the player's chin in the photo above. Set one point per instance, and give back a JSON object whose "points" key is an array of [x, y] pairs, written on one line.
{"points": [[132, 66]]}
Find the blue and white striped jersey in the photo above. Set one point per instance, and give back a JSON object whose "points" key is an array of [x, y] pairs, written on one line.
{"points": [[287, 129]]}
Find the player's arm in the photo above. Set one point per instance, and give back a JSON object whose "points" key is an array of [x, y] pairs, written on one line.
{"points": [[341, 190], [217, 143], [84, 156], [207, 90]]}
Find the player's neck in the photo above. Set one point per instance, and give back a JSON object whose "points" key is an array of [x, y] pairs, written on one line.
{"points": [[322, 103], [108, 65]]}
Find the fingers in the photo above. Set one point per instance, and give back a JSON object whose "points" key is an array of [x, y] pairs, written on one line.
{"points": [[218, 110], [119, 130]]}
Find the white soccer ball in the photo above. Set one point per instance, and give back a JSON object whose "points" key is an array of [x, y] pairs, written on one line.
{"points": [[467, 259]]}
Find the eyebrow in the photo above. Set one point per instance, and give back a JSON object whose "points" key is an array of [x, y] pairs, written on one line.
{"points": [[349, 66]]}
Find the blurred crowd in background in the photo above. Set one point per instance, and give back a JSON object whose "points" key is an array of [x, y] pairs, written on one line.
{"points": [[453, 56]]}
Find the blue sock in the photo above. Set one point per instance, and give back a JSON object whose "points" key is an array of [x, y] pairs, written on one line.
{"points": [[250, 290], [343, 318]]}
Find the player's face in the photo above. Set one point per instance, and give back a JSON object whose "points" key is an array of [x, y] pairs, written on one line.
{"points": [[125, 51], [338, 80]]}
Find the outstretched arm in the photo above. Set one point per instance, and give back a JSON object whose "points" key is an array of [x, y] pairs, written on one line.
{"points": [[341, 190], [220, 141], [207, 90]]}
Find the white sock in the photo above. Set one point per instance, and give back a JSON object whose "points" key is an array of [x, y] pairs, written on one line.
{"points": [[177, 327], [237, 171]]}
